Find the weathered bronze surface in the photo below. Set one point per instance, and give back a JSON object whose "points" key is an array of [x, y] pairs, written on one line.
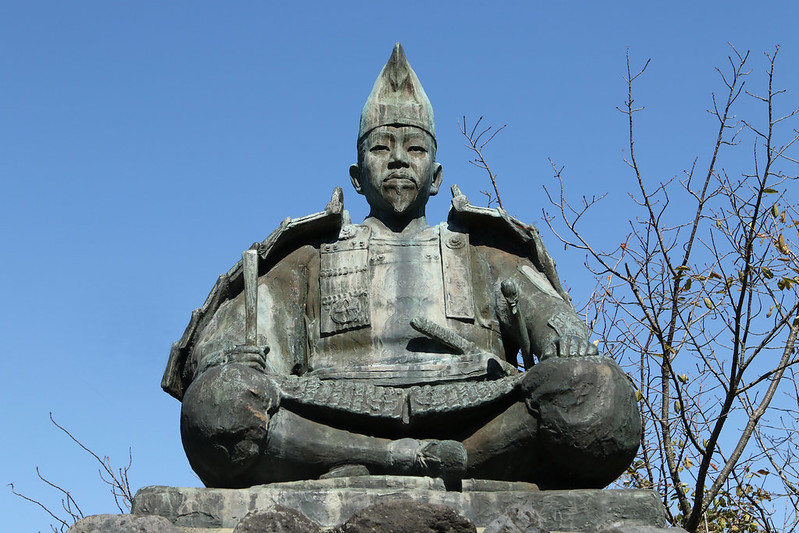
{"points": [[390, 347]]}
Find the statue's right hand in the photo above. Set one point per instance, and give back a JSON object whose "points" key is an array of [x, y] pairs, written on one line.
{"points": [[252, 356], [223, 353]]}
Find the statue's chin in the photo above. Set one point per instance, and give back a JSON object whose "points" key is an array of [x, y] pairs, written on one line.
{"points": [[400, 199], [401, 206]]}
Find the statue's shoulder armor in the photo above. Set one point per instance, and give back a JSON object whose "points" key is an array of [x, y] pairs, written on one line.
{"points": [[292, 234], [496, 228]]}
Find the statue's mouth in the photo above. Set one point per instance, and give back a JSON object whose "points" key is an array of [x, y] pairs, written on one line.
{"points": [[399, 177]]}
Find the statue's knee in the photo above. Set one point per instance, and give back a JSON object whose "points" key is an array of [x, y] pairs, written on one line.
{"points": [[588, 418], [224, 422]]}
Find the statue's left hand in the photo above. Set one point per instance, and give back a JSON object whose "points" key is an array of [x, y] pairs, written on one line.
{"points": [[570, 338], [574, 346]]}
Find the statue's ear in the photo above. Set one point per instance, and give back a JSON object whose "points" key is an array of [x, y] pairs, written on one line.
{"points": [[438, 177], [355, 177]]}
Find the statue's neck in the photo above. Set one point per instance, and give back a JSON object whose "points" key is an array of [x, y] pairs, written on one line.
{"points": [[396, 228]]}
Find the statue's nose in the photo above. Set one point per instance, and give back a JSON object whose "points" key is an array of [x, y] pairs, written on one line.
{"points": [[399, 158]]}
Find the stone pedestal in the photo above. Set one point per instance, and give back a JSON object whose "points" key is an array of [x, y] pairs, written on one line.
{"points": [[331, 502]]}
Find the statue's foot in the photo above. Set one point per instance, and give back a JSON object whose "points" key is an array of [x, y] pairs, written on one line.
{"points": [[445, 459]]}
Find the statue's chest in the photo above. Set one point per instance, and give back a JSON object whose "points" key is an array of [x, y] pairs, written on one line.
{"points": [[384, 283], [405, 281], [371, 288]]}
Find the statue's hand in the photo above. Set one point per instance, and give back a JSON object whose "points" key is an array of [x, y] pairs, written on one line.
{"points": [[574, 346], [252, 356], [243, 354], [570, 338]]}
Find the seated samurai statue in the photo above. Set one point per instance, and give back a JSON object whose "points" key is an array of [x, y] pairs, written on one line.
{"points": [[392, 347]]}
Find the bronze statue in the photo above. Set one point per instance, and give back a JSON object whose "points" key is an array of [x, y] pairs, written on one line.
{"points": [[390, 347]]}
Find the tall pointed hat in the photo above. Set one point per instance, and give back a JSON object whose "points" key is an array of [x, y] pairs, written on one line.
{"points": [[397, 98]]}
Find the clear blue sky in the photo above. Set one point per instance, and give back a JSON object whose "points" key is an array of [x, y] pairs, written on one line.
{"points": [[144, 144]]}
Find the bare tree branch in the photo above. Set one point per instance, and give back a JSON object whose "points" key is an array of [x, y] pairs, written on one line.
{"points": [[703, 304], [116, 479], [476, 143]]}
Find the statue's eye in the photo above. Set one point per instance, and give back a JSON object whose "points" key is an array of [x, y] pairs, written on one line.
{"points": [[420, 149], [379, 148]]}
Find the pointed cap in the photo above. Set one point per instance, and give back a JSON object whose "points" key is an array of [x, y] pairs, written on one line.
{"points": [[397, 98]]}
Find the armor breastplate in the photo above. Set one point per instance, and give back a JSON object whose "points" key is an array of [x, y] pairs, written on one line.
{"points": [[371, 288], [405, 282], [349, 268]]}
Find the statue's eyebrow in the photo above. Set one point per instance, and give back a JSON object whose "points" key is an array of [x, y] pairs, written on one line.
{"points": [[382, 137], [416, 137]]}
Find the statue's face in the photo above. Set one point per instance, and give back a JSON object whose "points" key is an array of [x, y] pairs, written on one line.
{"points": [[397, 171]]}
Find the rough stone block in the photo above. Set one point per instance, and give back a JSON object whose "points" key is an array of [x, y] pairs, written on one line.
{"points": [[518, 519], [331, 502], [407, 516], [123, 523], [278, 520]]}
